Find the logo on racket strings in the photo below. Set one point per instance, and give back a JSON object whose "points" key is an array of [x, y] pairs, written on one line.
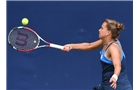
{"points": [[20, 40]]}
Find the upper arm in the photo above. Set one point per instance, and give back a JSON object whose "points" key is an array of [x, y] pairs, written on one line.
{"points": [[115, 54], [96, 44]]}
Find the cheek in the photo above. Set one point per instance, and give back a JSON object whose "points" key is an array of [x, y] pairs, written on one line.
{"points": [[103, 31]]}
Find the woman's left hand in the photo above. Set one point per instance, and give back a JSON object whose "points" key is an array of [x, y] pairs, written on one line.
{"points": [[113, 83]]}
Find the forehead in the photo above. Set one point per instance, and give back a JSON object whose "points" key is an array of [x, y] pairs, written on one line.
{"points": [[104, 24]]}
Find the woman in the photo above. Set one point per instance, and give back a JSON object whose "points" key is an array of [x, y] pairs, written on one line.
{"points": [[114, 74]]}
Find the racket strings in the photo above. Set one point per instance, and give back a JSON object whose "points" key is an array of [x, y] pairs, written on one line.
{"points": [[23, 39]]}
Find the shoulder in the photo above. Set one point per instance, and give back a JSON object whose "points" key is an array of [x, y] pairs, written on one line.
{"points": [[114, 47]]}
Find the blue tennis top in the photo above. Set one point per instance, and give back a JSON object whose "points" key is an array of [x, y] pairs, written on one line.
{"points": [[108, 68], [103, 54]]}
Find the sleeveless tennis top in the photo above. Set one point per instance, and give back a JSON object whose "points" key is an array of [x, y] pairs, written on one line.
{"points": [[108, 68]]}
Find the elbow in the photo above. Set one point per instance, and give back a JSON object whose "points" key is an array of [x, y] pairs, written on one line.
{"points": [[87, 46], [90, 47], [117, 66]]}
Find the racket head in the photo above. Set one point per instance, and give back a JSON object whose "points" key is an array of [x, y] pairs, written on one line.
{"points": [[23, 39]]}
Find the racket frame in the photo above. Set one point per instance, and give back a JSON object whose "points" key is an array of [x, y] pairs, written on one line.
{"points": [[48, 44]]}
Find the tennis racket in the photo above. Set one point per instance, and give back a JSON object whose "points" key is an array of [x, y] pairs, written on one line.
{"points": [[25, 39]]}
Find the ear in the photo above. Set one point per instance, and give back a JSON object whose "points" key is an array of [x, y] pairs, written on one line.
{"points": [[108, 32]]}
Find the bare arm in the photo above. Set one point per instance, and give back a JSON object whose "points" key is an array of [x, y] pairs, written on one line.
{"points": [[84, 46], [115, 53], [115, 57]]}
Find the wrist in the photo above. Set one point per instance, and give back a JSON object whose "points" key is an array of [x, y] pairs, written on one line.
{"points": [[71, 46], [115, 76]]}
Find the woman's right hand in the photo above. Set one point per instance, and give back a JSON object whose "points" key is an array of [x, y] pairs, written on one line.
{"points": [[67, 48]]}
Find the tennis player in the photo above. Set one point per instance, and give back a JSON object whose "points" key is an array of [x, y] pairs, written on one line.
{"points": [[114, 75]]}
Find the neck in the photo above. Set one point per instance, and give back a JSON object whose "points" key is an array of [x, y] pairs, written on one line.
{"points": [[106, 41]]}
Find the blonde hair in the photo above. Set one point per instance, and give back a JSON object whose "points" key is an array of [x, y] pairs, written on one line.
{"points": [[115, 27]]}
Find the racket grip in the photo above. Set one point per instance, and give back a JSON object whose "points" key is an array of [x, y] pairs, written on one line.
{"points": [[56, 46]]}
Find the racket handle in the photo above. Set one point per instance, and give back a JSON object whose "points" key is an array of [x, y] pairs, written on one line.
{"points": [[56, 46]]}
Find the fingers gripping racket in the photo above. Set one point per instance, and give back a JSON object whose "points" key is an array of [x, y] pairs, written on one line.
{"points": [[25, 39]]}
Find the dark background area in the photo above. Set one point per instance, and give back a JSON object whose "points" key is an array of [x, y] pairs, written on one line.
{"points": [[63, 22]]}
